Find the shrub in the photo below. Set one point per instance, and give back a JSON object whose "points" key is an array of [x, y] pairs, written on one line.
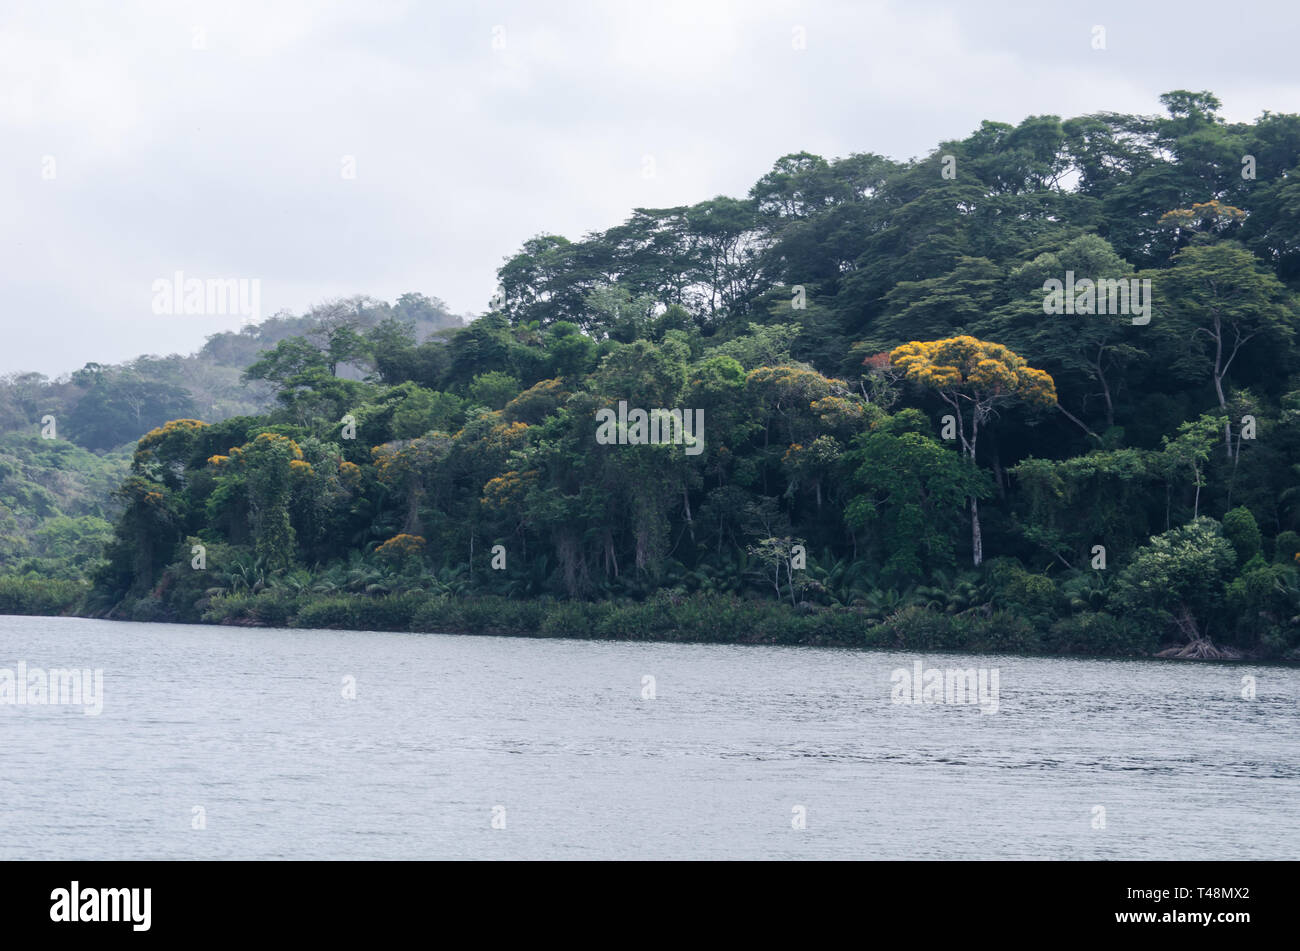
{"points": [[40, 596], [336, 612], [224, 609], [1099, 633], [149, 609], [572, 618], [485, 615], [265, 609], [274, 608], [1032, 596], [1001, 631], [915, 628], [393, 612]]}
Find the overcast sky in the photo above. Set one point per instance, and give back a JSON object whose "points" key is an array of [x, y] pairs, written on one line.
{"points": [[215, 139]]}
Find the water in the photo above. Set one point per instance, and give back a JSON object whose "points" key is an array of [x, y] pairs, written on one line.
{"points": [[252, 726]]}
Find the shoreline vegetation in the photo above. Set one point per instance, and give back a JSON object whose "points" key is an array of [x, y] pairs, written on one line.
{"points": [[705, 619], [1036, 391]]}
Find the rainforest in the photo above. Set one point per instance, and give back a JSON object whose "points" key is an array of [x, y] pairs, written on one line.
{"points": [[907, 444]]}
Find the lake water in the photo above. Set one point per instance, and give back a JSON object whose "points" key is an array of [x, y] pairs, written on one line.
{"points": [[558, 741]]}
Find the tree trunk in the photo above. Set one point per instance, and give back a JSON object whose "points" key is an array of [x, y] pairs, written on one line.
{"points": [[1110, 406], [977, 540], [412, 524], [1187, 623], [1105, 388], [1219, 372]]}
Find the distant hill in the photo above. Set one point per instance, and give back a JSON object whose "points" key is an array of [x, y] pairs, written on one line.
{"points": [[103, 406]]}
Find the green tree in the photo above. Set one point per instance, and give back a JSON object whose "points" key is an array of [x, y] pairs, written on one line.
{"points": [[1189, 451], [911, 490], [287, 361], [1178, 579], [1242, 532], [264, 468], [493, 389], [1226, 300]]}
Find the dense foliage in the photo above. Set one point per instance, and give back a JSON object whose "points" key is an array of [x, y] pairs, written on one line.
{"points": [[56, 507], [900, 443]]}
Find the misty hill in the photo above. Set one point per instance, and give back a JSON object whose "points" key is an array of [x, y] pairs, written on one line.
{"points": [[103, 406]]}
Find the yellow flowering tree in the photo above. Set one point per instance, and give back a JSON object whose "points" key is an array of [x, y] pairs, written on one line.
{"points": [[163, 453], [402, 551], [407, 467], [974, 377]]}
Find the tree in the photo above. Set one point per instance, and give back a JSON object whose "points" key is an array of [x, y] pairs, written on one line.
{"points": [[406, 467], [1178, 578], [913, 489], [953, 302], [424, 410], [345, 345], [1190, 450], [727, 246], [975, 378], [541, 283], [572, 353], [1226, 301], [1242, 532], [771, 559], [122, 406], [163, 454], [290, 359], [264, 469], [1085, 350], [1071, 503], [493, 389]]}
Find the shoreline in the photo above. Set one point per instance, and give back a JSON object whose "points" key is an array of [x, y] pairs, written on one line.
{"points": [[691, 619]]}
